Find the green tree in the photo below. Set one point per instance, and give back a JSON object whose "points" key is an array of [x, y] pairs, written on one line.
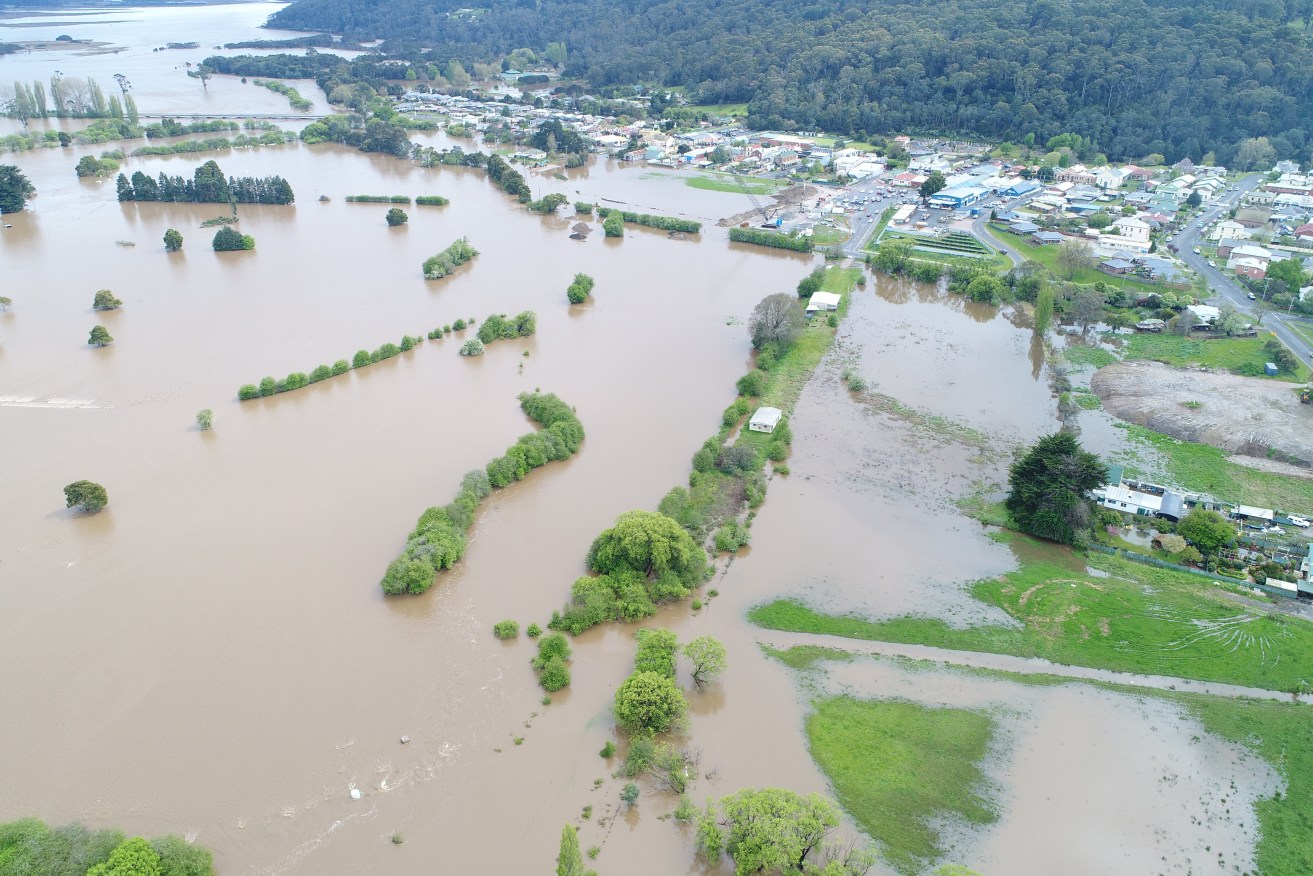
{"points": [[105, 300], [776, 319], [1048, 486], [933, 184], [772, 830], [649, 702], [1288, 271], [985, 288], [1206, 530], [1194, 201], [205, 420], [708, 657], [1074, 256], [614, 225], [5, 303], [15, 189], [1256, 153], [650, 543], [629, 794], [172, 240], [181, 858], [569, 860], [87, 495], [133, 857], [579, 289], [228, 239], [811, 283], [1043, 307], [99, 337], [396, 216]]}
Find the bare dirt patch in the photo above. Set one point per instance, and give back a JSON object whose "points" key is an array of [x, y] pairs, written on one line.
{"points": [[1243, 415]]}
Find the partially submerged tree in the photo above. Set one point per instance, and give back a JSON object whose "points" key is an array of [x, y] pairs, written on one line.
{"points": [[708, 657], [105, 300], [1049, 485], [99, 337], [172, 240], [772, 830], [15, 189], [86, 495], [650, 702], [396, 216]]}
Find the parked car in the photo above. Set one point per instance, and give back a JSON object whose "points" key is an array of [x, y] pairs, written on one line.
{"points": [[1299, 521], [1253, 297]]}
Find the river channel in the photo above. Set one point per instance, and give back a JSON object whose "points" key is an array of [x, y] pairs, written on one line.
{"points": [[211, 655]]}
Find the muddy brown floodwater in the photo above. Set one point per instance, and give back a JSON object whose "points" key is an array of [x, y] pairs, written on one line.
{"points": [[211, 655]]}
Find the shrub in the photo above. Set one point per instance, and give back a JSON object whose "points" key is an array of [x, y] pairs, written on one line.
{"points": [[583, 208], [361, 359], [321, 372], [228, 239], [431, 201], [268, 386], [738, 459], [753, 383], [472, 347], [459, 325], [731, 537], [656, 652], [579, 289], [205, 420], [99, 337], [86, 495], [777, 451], [341, 366], [614, 226], [608, 750], [555, 675], [172, 240], [248, 391], [507, 629], [533, 631], [550, 646], [295, 380], [407, 343], [629, 793], [396, 216]]}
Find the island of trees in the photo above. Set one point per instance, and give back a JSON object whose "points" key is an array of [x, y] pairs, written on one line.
{"points": [[208, 185]]}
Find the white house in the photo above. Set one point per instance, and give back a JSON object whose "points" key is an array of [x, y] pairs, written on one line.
{"points": [[765, 419], [822, 301], [1131, 234], [1230, 229]]}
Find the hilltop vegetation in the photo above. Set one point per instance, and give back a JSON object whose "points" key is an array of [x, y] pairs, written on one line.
{"points": [[1135, 77]]}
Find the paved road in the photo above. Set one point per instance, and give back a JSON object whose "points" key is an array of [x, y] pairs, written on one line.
{"points": [[1224, 289], [982, 234]]}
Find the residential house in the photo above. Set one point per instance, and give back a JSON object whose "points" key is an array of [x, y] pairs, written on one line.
{"points": [[1254, 269], [1229, 229], [1128, 233], [1116, 266], [1047, 238], [1253, 217], [765, 419]]}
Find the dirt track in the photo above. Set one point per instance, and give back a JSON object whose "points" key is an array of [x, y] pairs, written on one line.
{"points": [[1245, 415]]}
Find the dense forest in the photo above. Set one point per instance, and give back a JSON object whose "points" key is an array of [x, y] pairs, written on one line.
{"points": [[1176, 77]]}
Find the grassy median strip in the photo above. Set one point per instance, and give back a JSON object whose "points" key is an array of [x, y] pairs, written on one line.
{"points": [[1136, 619]]}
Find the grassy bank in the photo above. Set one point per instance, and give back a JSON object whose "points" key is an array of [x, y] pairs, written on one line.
{"points": [[898, 767], [1048, 257], [795, 367], [725, 183], [1206, 469], [1244, 356], [1136, 619], [1281, 734]]}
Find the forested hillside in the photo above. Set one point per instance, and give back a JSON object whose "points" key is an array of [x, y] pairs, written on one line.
{"points": [[1177, 77]]}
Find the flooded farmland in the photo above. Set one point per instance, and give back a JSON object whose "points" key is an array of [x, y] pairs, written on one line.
{"points": [[211, 655]]}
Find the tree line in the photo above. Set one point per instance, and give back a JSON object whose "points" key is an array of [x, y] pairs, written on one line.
{"points": [[665, 223], [33, 848], [208, 185], [1173, 77], [438, 540]]}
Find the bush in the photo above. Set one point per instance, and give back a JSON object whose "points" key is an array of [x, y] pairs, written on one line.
{"points": [[459, 325], [472, 347], [579, 289], [361, 359], [268, 386], [738, 459], [431, 201], [396, 216], [533, 631], [248, 391], [777, 451], [321, 372], [665, 223], [614, 226], [555, 675], [629, 794], [86, 495], [205, 420], [341, 366], [657, 650], [648, 702], [228, 239], [507, 629], [753, 383], [608, 750], [774, 239], [583, 208], [731, 537]]}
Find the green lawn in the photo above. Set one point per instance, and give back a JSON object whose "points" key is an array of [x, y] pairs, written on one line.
{"points": [[724, 183], [1087, 355], [1140, 619], [1237, 355], [1048, 257], [721, 109], [899, 767], [1303, 329], [1205, 469], [826, 235]]}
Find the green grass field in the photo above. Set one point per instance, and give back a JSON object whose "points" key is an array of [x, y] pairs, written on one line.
{"points": [[1237, 355], [1048, 257], [826, 235], [1139, 619], [1087, 355], [1206, 469], [721, 109], [724, 183], [897, 767]]}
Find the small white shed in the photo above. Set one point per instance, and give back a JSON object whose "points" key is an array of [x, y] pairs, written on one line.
{"points": [[822, 301], [765, 419]]}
